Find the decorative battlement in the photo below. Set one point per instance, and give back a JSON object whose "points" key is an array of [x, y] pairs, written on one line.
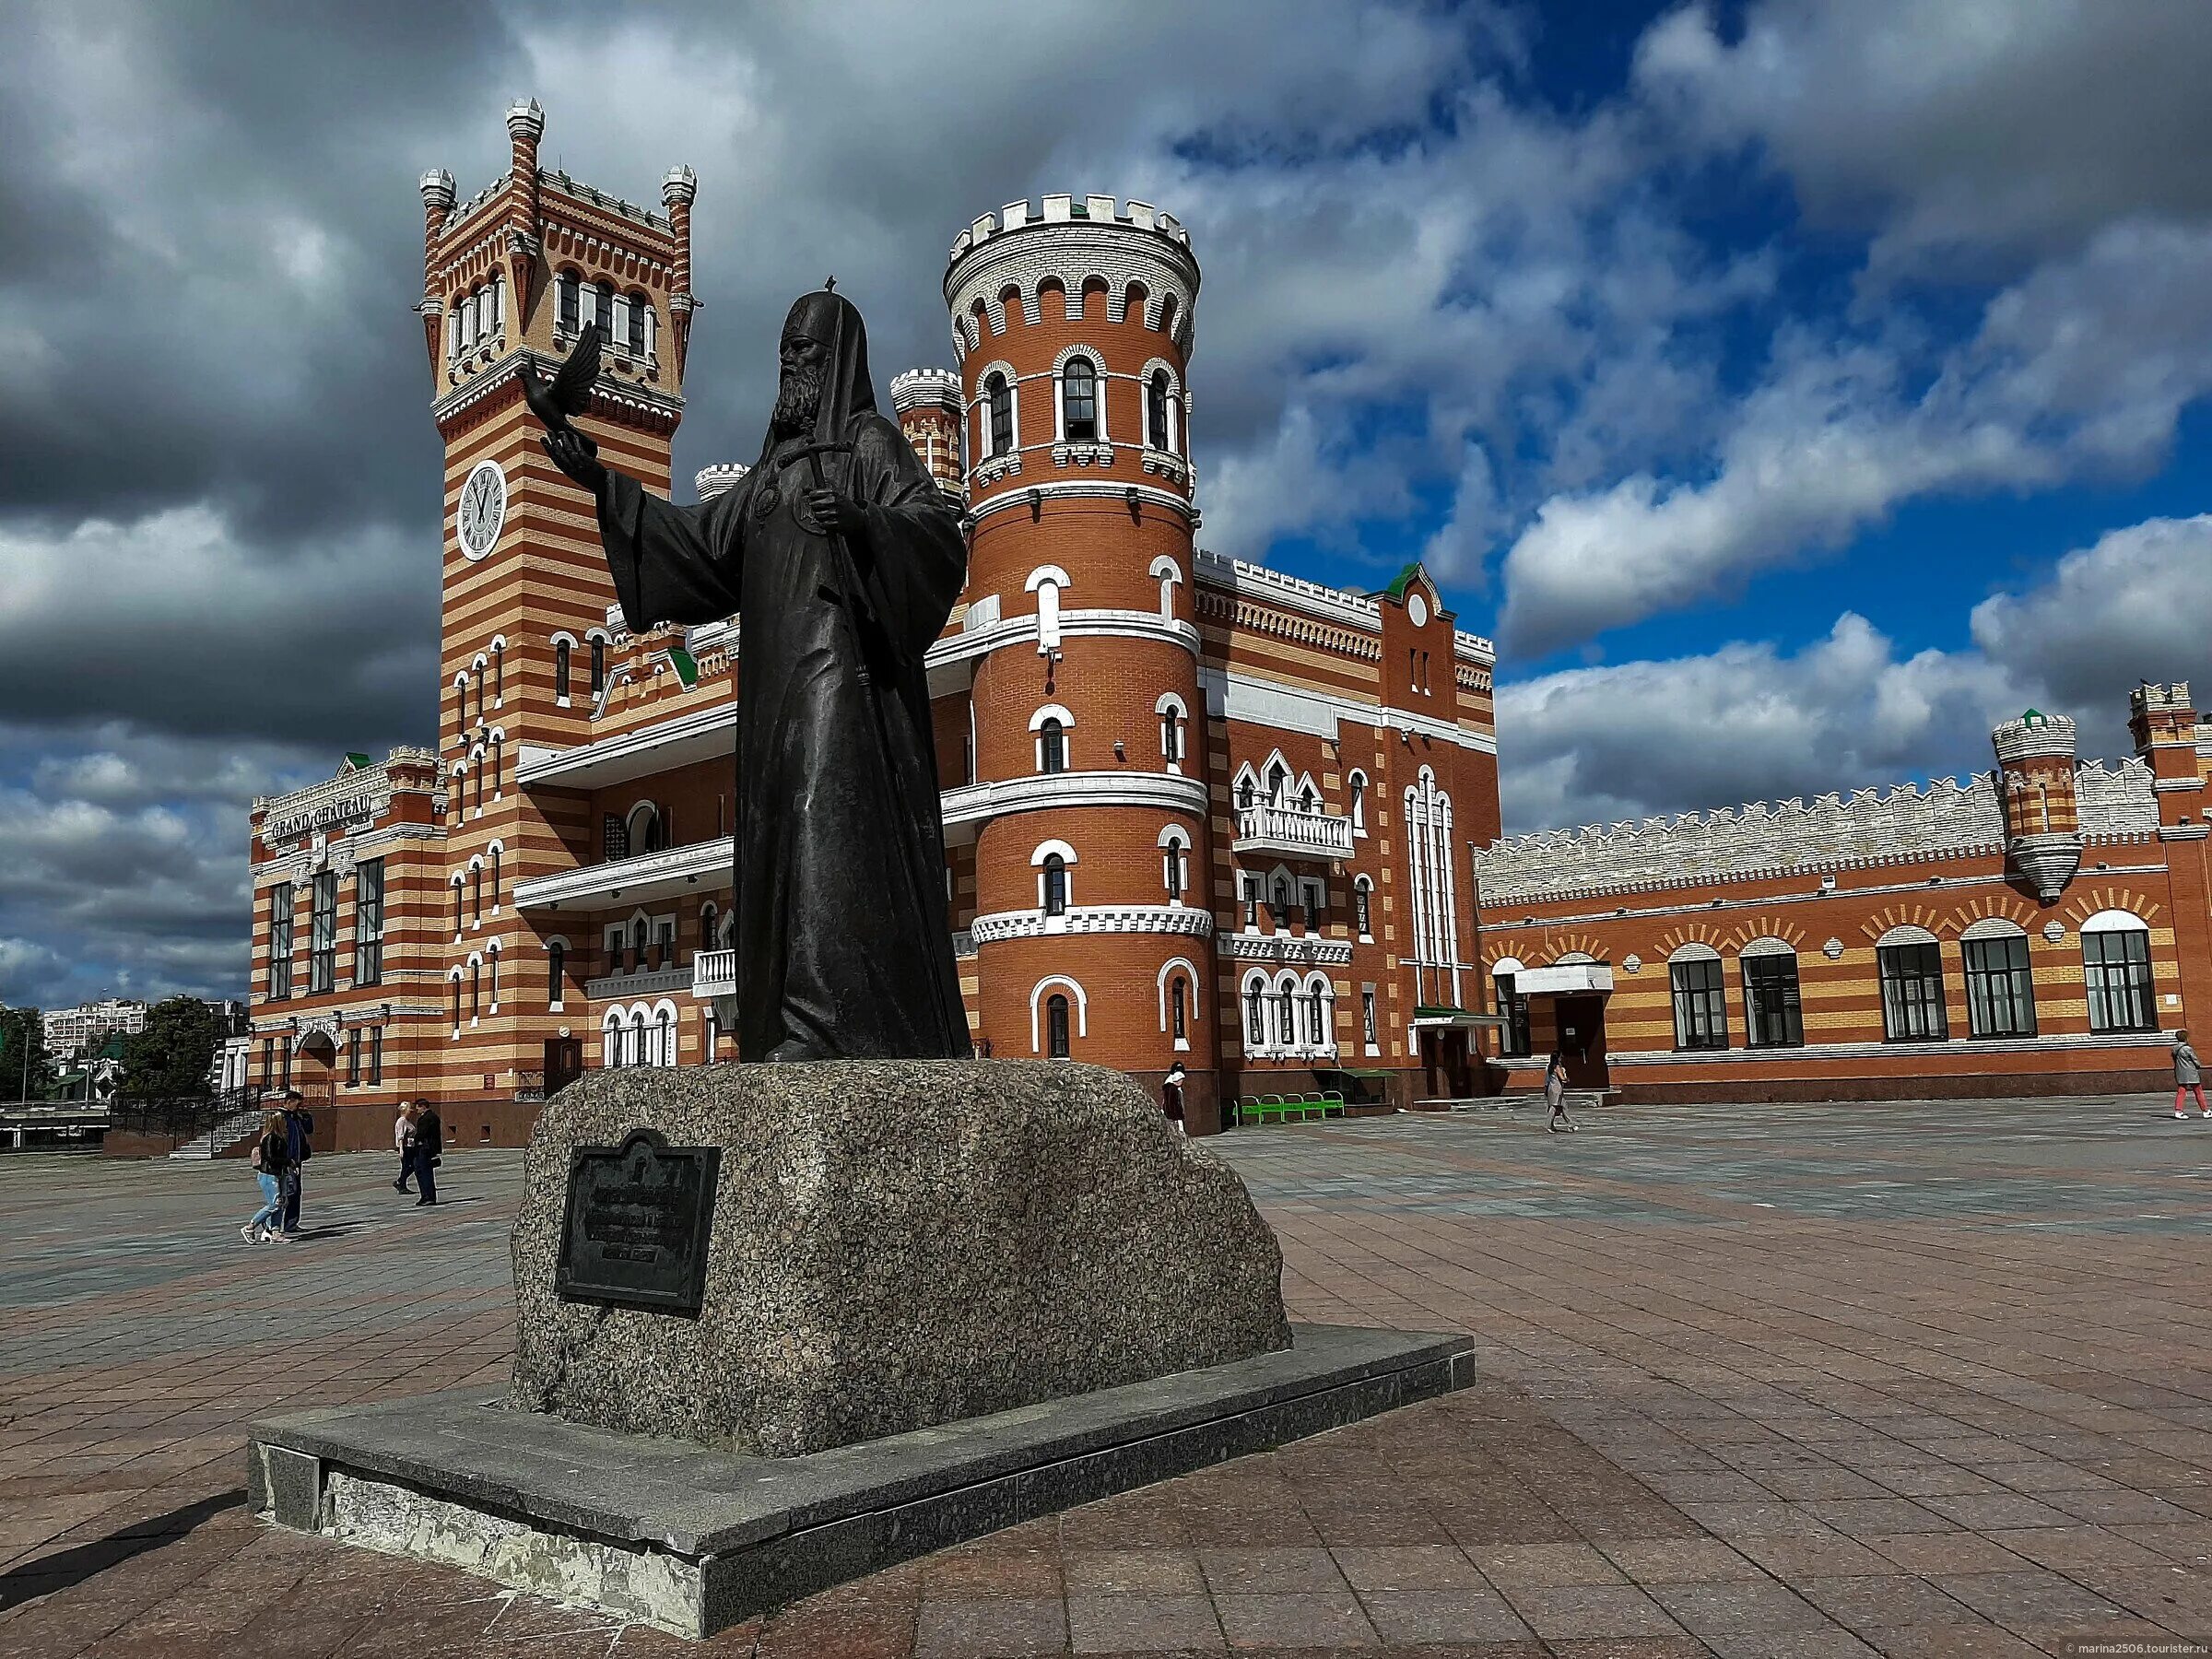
{"points": [[1067, 210], [2035, 733], [2147, 699], [359, 793], [1950, 818], [719, 479], [1237, 576], [926, 388]]}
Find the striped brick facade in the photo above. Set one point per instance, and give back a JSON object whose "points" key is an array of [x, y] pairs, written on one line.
{"points": [[2068, 870]]}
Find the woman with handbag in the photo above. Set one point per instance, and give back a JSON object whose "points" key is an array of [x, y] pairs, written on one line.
{"points": [[271, 1157]]}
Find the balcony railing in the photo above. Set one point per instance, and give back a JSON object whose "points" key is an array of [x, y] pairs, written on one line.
{"points": [[1292, 833], [714, 973]]}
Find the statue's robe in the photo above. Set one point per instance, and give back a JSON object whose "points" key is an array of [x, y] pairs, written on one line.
{"points": [[844, 944]]}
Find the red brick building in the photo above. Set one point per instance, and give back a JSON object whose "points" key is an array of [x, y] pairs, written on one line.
{"points": [[2038, 928], [1194, 810]]}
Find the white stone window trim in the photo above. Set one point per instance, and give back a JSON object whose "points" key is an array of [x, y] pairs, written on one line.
{"points": [[983, 450], [1356, 787], [1366, 884], [1174, 730], [1144, 381], [1190, 972], [1068, 724], [1067, 859], [1082, 1007], [1993, 927], [499, 677], [555, 1002], [1906, 933], [1694, 951], [1048, 582], [2116, 921], [1168, 574], [1768, 946], [1066, 355], [1176, 836], [562, 697]]}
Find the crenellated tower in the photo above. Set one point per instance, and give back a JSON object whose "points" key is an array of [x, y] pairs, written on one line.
{"points": [[2043, 816], [512, 275], [927, 403], [1084, 808]]}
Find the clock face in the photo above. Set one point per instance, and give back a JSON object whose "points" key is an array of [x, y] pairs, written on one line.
{"points": [[483, 509], [1416, 611]]}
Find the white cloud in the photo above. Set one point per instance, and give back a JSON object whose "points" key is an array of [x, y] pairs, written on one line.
{"points": [[1751, 722], [2081, 368], [1969, 135]]}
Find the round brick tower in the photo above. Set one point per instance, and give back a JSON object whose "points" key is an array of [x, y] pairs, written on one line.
{"points": [[2043, 819], [1087, 800]]}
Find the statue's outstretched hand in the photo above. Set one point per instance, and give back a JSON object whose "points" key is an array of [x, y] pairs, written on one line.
{"points": [[575, 454]]}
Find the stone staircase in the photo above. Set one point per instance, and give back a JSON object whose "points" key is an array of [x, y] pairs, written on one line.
{"points": [[224, 1135]]}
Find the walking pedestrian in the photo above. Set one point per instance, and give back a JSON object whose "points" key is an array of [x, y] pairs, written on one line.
{"points": [[299, 1127], [2188, 1075], [1170, 1095], [430, 1141], [402, 1142], [1554, 1093], [270, 1158]]}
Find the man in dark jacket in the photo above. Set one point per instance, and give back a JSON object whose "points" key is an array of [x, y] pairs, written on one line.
{"points": [[430, 1141], [299, 1129]]}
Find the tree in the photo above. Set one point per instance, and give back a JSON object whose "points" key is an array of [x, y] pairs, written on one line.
{"points": [[170, 1059], [16, 1081]]}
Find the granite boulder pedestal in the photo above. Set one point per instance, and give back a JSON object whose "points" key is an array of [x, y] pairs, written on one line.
{"points": [[893, 1245], [780, 1326]]}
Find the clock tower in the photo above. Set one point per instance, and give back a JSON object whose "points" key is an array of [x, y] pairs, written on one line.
{"points": [[511, 278]]}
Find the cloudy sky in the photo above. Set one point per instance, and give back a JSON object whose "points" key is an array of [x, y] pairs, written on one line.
{"points": [[1791, 389]]}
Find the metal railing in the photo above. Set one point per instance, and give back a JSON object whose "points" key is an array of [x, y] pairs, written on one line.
{"points": [[714, 973], [185, 1117]]}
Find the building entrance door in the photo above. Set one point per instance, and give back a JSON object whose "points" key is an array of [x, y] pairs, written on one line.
{"points": [[564, 1062], [316, 1077], [1444, 1072], [1582, 1021]]}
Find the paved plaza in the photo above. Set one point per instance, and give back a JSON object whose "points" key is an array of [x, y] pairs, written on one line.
{"points": [[1759, 1381]]}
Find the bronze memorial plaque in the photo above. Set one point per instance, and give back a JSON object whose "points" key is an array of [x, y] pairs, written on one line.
{"points": [[635, 1233]]}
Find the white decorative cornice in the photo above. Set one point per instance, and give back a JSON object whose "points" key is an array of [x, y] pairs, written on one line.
{"points": [[1181, 921], [609, 394], [1159, 792], [1296, 950], [1146, 495], [708, 861], [997, 633]]}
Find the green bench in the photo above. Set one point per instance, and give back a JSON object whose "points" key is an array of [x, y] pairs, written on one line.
{"points": [[1275, 1109]]}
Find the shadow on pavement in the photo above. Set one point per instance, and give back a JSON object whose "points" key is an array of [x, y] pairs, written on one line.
{"points": [[74, 1566]]}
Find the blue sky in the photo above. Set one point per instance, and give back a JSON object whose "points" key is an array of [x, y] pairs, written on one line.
{"points": [[1791, 389]]}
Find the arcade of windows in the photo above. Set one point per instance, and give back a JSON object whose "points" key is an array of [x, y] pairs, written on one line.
{"points": [[1993, 956], [322, 931], [1080, 391], [627, 322], [1289, 1016]]}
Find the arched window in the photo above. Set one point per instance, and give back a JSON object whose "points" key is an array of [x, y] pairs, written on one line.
{"points": [[1773, 1017], [1700, 998], [1515, 1039], [708, 922], [663, 1048], [1363, 899], [1171, 737], [648, 829], [1317, 1013], [556, 963], [640, 309], [1051, 745], [598, 665], [1055, 1026], [499, 672], [1046, 582], [475, 892], [1079, 400], [1285, 1013], [498, 752], [454, 984], [610, 1035], [1280, 900], [457, 916], [478, 671], [603, 311], [1178, 1001], [1156, 410], [1910, 964], [1247, 794], [496, 856], [477, 780], [475, 990], [2000, 992], [492, 956], [1174, 865], [2115, 961], [1255, 1017], [1358, 783], [561, 649], [1055, 885], [568, 289], [999, 397], [636, 945], [1278, 784]]}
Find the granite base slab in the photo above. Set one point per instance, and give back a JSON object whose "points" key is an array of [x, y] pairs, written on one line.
{"points": [[672, 1534]]}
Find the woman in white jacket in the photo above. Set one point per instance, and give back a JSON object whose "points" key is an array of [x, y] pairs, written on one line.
{"points": [[1554, 1093]]}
